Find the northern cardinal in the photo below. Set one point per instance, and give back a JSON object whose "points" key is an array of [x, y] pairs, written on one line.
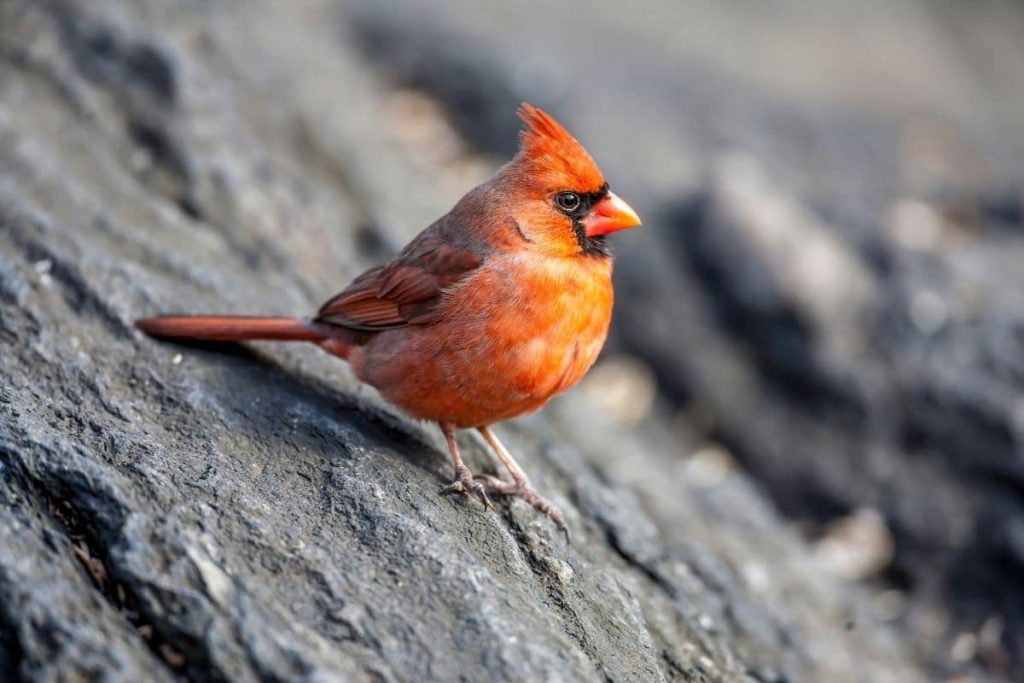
{"points": [[499, 305]]}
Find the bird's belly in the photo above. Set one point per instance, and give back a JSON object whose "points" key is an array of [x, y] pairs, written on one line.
{"points": [[510, 365], [544, 366]]}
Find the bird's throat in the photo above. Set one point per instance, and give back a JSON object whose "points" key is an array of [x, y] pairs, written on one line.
{"points": [[591, 246]]}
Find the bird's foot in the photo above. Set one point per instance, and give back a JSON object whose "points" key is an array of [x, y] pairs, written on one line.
{"points": [[465, 483], [525, 490]]}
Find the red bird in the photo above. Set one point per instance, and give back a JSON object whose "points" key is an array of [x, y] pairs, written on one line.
{"points": [[499, 305]]}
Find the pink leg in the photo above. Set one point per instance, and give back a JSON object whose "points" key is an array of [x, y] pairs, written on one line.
{"points": [[520, 485], [464, 481]]}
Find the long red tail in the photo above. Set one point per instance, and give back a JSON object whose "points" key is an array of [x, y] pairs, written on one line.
{"points": [[231, 328]]}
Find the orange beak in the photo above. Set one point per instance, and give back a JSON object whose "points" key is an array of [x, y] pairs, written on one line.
{"points": [[610, 215]]}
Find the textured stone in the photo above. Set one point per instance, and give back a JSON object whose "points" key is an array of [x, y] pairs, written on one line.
{"points": [[252, 513]]}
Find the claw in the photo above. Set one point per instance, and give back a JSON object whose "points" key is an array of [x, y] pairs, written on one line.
{"points": [[465, 483], [481, 493]]}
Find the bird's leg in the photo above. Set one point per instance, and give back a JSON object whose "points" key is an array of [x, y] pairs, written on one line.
{"points": [[520, 485], [464, 481]]}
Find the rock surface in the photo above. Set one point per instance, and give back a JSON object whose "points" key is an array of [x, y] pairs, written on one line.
{"points": [[213, 512]]}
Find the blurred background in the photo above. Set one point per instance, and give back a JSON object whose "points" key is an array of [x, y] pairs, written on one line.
{"points": [[828, 290]]}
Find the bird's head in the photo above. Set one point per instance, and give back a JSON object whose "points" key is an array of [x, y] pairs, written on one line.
{"points": [[566, 205]]}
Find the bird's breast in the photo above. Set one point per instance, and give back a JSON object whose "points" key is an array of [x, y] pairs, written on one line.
{"points": [[520, 330], [546, 327]]}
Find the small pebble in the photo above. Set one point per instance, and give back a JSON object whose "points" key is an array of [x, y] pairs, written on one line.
{"points": [[964, 647], [562, 571]]}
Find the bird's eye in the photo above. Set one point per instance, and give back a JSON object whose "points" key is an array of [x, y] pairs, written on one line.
{"points": [[567, 201]]}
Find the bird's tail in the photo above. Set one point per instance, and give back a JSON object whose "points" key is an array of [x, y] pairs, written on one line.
{"points": [[232, 328]]}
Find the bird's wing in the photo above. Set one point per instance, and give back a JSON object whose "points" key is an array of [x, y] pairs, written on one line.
{"points": [[406, 291]]}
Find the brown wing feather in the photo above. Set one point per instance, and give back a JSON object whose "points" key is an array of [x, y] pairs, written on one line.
{"points": [[405, 291]]}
